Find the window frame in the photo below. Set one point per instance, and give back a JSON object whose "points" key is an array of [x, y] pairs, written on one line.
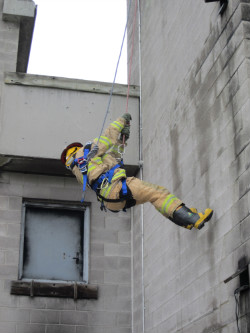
{"points": [[67, 205]]}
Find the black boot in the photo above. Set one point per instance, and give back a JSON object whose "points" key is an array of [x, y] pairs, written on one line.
{"points": [[189, 218]]}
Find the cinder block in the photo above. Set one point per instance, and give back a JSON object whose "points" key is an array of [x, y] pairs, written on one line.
{"points": [[7, 327], [12, 314], [124, 264], [102, 318], [31, 302], [228, 267], [9, 243], [8, 271], [96, 249], [74, 318], [30, 328], [44, 316], [118, 224], [8, 301], [124, 237], [50, 181], [14, 229], [124, 291], [12, 216], [120, 250], [27, 192], [123, 319], [247, 157], [96, 276], [91, 305], [230, 328], [4, 178], [104, 263], [104, 236], [59, 304], [114, 304], [240, 210], [4, 202], [62, 329], [227, 312], [92, 329], [15, 203], [116, 329], [3, 229], [59, 194], [12, 257], [2, 257], [116, 277]]}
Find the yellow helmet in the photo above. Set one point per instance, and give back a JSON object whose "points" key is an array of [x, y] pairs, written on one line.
{"points": [[68, 153]]}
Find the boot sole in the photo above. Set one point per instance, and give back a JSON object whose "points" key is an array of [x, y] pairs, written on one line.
{"points": [[198, 225]]}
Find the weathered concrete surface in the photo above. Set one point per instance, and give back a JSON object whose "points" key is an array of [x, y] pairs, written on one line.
{"points": [[69, 115], [196, 142]]}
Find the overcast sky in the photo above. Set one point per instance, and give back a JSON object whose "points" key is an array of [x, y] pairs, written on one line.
{"points": [[79, 39]]}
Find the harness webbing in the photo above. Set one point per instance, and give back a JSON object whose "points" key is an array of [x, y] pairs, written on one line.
{"points": [[108, 175], [82, 164]]}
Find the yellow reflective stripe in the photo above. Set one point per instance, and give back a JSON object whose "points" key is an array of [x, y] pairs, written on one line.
{"points": [[97, 160], [117, 125], [91, 168], [105, 191], [167, 202], [119, 174], [117, 149], [106, 141], [103, 139], [104, 156]]}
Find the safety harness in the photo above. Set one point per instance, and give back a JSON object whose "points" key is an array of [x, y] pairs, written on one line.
{"points": [[82, 164], [125, 193]]}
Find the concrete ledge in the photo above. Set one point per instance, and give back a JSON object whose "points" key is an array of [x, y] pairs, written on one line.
{"points": [[69, 84], [15, 10], [45, 166]]}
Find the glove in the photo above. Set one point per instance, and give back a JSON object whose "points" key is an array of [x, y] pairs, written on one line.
{"points": [[127, 117], [125, 132]]}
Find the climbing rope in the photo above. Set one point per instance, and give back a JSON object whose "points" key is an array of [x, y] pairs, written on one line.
{"points": [[131, 54], [117, 65]]}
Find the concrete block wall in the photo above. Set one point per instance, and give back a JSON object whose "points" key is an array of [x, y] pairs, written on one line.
{"points": [[196, 134], [109, 264]]}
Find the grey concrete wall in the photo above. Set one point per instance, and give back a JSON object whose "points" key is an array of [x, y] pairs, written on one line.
{"points": [[196, 135], [47, 111], [109, 264]]}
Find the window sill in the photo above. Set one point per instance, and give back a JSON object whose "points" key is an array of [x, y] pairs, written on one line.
{"points": [[73, 290]]}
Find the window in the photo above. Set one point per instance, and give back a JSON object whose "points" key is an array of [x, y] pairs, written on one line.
{"points": [[54, 242], [54, 251]]}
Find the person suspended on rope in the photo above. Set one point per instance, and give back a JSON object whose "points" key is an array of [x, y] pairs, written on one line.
{"points": [[95, 165]]}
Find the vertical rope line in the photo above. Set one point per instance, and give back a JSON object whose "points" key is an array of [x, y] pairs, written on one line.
{"points": [[131, 55], [117, 65]]}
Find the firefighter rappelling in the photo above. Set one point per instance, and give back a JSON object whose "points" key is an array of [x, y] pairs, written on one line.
{"points": [[101, 172]]}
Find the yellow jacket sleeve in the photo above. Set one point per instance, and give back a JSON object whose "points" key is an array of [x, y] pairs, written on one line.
{"points": [[110, 136]]}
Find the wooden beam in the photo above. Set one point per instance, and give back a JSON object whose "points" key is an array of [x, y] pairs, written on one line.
{"points": [[69, 84], [34, 288]]}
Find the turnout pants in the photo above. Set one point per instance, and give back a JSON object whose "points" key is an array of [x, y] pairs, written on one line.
{"points": [[142, 192]]}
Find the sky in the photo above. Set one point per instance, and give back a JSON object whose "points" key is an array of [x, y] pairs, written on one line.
{"points": [[79, 39]]}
